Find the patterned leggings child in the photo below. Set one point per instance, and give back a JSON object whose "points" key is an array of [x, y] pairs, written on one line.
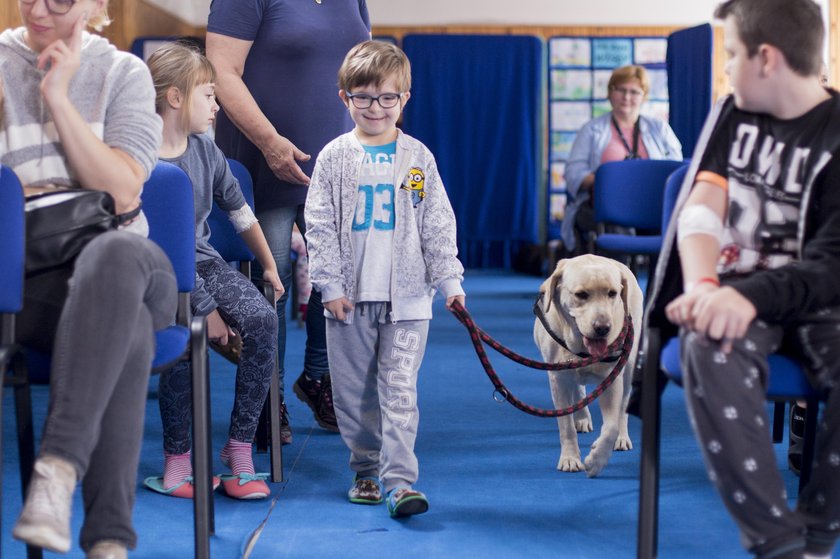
{"points": [[246, 310]]}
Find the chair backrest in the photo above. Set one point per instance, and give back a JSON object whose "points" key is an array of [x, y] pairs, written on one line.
{"points": [[12, 237], [169, 206], [144, 46], [672, 192], [223, 237], [630, 193]]}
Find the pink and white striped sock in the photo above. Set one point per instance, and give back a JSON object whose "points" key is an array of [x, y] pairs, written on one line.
{"points": [[237, 456], [176, 468]]}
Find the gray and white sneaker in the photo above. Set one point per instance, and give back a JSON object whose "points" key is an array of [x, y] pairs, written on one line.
{"points": [[45, 518]]}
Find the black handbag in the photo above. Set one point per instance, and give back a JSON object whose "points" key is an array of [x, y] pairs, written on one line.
{"points": [[59, 225]]}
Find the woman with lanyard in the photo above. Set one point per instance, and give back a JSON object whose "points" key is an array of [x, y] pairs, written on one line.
{"points": [[622, 133]]}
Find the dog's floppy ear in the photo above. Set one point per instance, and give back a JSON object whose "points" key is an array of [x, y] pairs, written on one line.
{"points": [[626, 276], [548, 286]]}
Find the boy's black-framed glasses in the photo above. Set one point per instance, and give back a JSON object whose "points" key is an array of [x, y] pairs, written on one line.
{"points": [[56, 7], [364, 101]]}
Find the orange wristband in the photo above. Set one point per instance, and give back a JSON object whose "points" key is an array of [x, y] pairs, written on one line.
{"points": [[707, 279]]}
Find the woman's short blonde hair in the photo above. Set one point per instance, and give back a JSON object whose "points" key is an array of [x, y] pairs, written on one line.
{"points": [[629, 73], [373, 62], [183, 67], [101, 19]]}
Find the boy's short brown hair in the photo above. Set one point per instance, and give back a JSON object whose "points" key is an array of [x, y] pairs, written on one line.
{"points": [[629, 73], [795, 27], [373, 62]]}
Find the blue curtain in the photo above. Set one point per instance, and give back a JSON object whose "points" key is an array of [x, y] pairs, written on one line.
{"points": [[475, 102], [689, 62]]}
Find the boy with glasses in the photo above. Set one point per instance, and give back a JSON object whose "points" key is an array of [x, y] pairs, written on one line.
{"points": [[381, 237]]}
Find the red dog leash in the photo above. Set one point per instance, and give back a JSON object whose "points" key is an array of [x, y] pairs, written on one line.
{"points": [[477, 335]]}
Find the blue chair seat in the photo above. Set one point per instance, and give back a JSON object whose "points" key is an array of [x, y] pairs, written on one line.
{"points": [[613, 242], [786, 377], [171, 343]]}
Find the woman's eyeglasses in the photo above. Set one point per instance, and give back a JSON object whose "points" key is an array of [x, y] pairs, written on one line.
{"points": [[56, 7], [628, 91], [364, 101]]}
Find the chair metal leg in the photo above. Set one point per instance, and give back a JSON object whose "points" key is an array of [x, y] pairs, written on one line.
{"points": [[274, 426], [203, 498], [261, 437], [25, 430], [649, 469], [779, 422], [271, 411], [812, 412]]}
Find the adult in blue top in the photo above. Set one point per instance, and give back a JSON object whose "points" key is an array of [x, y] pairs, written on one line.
{"points": [[622, 133], [277, 65]]}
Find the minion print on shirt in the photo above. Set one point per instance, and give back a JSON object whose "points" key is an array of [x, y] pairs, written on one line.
{"points": [[414, 183]]}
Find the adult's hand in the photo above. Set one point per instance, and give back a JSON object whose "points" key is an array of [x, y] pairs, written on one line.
{"points": [[282, 157], [61, 60], [228, 55]]}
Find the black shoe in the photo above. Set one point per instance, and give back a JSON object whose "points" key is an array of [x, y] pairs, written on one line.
{"points": [[285, 428], [796, 438], [311, 392]]}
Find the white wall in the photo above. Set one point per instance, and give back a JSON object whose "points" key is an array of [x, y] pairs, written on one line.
{"points": [[506, 12], [540, 12]]}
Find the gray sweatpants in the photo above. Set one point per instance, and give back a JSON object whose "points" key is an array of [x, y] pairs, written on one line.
{"points": [[726, 402], [374, 364]]}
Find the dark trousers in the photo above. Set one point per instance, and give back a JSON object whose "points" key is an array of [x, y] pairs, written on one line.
{"points": [[726, 402]]}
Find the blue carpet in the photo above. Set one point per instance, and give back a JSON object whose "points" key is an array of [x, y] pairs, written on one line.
{"points": [[487, 468]]}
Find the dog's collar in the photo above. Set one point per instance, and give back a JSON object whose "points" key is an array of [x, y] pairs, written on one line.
{"points": [[538, 311]]}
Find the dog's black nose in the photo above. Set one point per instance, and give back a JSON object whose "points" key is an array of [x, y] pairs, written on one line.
{"points": [[601, 329]]}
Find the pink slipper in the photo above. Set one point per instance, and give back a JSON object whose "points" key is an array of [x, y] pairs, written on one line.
{"points": [[184, 490], [246, 486]]}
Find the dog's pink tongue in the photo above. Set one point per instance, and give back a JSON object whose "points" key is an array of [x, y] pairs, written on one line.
{"points": [[595, 347]]}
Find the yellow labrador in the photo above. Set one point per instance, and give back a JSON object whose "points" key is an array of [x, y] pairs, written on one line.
{"points": [[583, 301]]}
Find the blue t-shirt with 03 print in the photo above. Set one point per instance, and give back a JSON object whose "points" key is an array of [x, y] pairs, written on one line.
{"points": [[373, 224]]}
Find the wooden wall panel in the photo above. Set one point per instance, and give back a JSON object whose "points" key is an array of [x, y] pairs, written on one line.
{"points": [[132, 18]]}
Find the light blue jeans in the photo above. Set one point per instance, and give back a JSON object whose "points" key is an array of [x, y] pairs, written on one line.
{"points": [[277, 225]]}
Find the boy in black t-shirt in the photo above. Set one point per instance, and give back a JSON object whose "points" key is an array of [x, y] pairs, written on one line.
{"points": [[759, 244]]}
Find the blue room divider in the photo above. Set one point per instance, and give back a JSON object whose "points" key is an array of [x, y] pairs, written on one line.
{"points": [[689, 62], [476, 103]]}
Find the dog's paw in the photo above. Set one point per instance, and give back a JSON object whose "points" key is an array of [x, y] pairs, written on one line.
{"points": [[583, 425], [570, 464], [594, 463], [623, 443]]}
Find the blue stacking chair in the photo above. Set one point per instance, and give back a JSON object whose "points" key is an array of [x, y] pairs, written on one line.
{"points": [[232, 248], [170, 209], [787, 381], [630, 194], [144, 46], [12, 364]]}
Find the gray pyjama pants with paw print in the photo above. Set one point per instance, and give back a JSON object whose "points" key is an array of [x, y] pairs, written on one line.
{"points": [[726, 401]]}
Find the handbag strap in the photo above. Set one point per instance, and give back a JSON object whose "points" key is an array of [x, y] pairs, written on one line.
{"points": [[127, 217]]}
